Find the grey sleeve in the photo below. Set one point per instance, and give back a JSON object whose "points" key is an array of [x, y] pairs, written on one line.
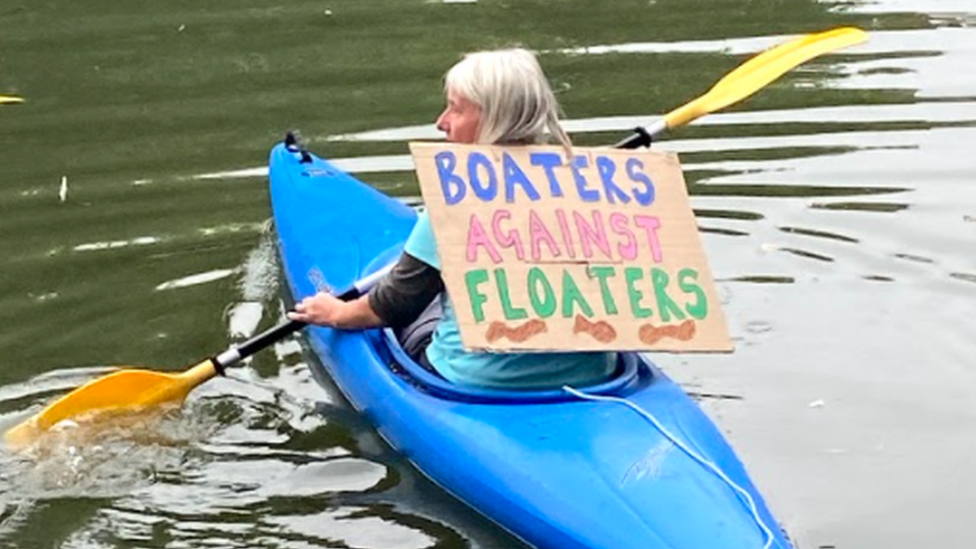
{"points": [[403, 294]]}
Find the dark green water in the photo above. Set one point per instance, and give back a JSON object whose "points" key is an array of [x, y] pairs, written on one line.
{"points": [[838, 208]]}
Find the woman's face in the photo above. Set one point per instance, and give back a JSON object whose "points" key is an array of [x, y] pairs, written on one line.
{"points": [[460, 120]]}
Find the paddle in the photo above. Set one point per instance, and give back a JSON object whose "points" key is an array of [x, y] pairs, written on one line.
{"points": [[128, 389], [140, 389], [10, 99], [748, 78]]}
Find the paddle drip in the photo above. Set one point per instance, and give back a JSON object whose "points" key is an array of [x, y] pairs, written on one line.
{"points": [[741, 492]]}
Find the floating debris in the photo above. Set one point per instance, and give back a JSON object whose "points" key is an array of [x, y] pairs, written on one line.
{"points": [[40, 298]]}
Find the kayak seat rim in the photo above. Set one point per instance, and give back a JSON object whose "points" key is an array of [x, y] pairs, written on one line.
{"points": [[625, 375]]}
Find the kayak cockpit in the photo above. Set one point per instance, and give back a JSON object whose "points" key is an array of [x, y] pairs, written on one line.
{"points": [[631, 370], [626, 376]]}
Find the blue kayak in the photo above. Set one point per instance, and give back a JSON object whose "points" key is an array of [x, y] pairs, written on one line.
{"points": [[631, 463]]}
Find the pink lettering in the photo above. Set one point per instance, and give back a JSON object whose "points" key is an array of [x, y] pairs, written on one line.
{"points": [[618, 222], [651, 224], [567, 234], [477, 237], [511, 239], [592, 234], [538, 233]]}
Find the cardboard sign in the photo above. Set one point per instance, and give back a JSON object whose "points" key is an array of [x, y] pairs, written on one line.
{"points": [[538, 254]]}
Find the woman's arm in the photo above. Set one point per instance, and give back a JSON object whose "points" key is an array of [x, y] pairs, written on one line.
{"points": [[396, 301], [409, 288]]}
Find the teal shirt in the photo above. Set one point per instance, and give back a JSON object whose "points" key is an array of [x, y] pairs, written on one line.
{"points": [[509, 370]]}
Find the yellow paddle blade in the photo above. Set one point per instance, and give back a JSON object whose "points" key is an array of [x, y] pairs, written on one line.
{"points": [[10, 99], [125, 389], [763, 69]]}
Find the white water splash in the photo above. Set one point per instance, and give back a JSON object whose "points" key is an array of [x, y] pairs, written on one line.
{"points": [[288, 348], [232, 228], [243, 318], [259, 281], [258, 284]]}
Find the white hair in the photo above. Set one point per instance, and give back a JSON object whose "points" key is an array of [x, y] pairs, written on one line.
{"points": [[517, 104]]}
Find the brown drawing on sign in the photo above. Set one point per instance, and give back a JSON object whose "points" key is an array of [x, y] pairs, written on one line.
{"points": [[518, 334], [601, 330], [651, 334]]}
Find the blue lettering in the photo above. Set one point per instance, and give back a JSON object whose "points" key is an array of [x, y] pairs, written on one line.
{"points": [[635, 169], [585, 194], [515, 176], [487, 191], [451, 185], [548, 161], [607, 168]]}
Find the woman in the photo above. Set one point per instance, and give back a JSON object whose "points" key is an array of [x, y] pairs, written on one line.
{"points": [[493, 97]]}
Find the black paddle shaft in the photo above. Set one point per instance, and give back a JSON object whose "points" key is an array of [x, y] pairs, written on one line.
{"points": [[640, 138], [270, 336]]}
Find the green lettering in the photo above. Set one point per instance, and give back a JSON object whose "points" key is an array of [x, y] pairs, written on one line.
{"points": [[665, 305], [602, 274], [511, 313], [699, 309], [572, 294], [472, 279], [631, 275], [544, 307]]}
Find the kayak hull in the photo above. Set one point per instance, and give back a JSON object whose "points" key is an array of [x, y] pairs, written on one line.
{"points": [[554, 469]]}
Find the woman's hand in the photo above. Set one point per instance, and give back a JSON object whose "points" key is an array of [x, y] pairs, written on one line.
{"points": [[325, 309], [322, 308]]}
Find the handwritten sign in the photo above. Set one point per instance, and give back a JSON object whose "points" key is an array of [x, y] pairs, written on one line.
{"points": [[540, 254]]}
